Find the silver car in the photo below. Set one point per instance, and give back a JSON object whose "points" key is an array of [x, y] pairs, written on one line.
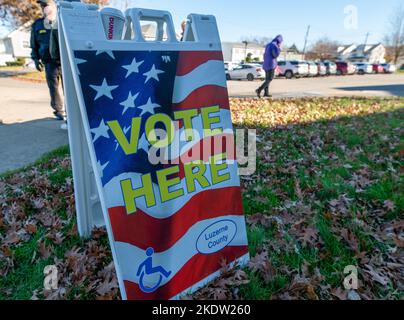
{"points": [[331, 68], [389, 68], [364, 68], [248, 71]]}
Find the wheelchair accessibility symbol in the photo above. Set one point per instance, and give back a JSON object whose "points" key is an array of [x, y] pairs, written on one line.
{"points": [[150, 277]]}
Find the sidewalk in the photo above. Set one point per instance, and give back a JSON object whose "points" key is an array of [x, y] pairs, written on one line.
{"points": [[27, 127]]}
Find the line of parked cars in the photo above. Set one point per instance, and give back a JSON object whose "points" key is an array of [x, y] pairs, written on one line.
{"points": [[296, 69]]}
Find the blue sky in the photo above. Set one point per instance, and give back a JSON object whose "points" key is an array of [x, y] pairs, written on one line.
{"points": [[290, 18]]}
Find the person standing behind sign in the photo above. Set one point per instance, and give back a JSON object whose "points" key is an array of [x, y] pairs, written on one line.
{"points": [[272, 52], [55, 54], [40, 41]]}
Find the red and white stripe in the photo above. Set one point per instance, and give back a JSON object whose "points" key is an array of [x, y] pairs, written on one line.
{"points": [[172, 228]]}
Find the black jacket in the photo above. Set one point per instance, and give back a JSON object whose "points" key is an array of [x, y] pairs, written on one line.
{"points": [[40, 39], [54, 44]]}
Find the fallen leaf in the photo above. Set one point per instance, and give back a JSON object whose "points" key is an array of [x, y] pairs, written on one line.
{"points": [[31, 228], [389, 205], [43, 250], [11, 239], [376, 276], [311, 293], [340, 293], [107, 286]]}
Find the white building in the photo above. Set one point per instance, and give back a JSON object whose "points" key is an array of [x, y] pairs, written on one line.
{"points": [[237, 51], [15, 45], [372, 53], [291, 53]]}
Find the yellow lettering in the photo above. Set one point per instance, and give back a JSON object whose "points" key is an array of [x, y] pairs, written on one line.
{"points": [[208, 121], [192, 176], [165, 184], [127, 147], [186, 116], [130, 194], [216, 167], [151, 134]]}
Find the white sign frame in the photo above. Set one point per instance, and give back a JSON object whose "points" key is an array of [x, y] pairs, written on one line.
{"points": [[80, 28]]}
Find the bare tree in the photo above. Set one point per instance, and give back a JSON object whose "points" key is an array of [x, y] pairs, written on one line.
{"points": [[18, 12], [323, 49], [15, 13], [394, 39]]}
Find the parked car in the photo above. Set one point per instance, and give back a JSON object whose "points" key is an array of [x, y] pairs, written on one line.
{"points": [[277, 71], [389, 68], [364, 68], [344, 67], [247, 71], [331, 67], [377, 68], [313, 69], [230, 65], [294, 68], [321, 69]]}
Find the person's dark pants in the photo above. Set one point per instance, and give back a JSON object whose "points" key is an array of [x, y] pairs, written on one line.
{"points": [[53, 78], [269, 76]]}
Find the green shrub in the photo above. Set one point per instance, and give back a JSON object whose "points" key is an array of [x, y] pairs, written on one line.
{"points": [[19, 62]]}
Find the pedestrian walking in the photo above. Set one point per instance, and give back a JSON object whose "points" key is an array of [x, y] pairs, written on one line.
{"points": [[272, 52], [40, 42]]}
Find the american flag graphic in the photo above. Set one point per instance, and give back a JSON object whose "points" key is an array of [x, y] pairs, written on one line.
{"points": [[175, 246]]}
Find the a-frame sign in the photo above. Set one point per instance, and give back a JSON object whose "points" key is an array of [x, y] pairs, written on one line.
{"points": [[170, 223]]}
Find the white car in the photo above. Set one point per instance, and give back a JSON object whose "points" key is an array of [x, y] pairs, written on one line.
{"points": [[331, 68], [364, 68], [389, 68], [228, 65], [248, 71], [313, 69], [294, 68], [322, 69]]}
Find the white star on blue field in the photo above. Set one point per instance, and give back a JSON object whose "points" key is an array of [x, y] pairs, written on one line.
{"points": [[120, 85]]}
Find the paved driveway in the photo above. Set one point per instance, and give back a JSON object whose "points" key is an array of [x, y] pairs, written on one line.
{"points": [[367, 85], [28, 129]]}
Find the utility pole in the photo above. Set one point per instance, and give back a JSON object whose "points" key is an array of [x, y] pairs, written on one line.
{"points": [[366, 38], [305, 41], [364, 45]]}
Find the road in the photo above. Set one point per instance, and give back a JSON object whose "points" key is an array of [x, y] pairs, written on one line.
{"points": [[368, 85], [29, 130]]}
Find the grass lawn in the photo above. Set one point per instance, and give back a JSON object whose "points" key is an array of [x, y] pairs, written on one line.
{"points": [[33, 76], [328, 193]]}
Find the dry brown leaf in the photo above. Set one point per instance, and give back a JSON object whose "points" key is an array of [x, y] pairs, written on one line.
{"points": [[31, 228], [107, 286], [43, 250], [12, 238], [311, 293], [376, 275], [341, 294], [389, 205]]}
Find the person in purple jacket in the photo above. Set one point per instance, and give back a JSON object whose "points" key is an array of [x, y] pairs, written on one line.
{"points": [[272, 52]]}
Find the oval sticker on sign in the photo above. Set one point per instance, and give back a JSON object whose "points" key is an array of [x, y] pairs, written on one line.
{"points": [[216, 237]]}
